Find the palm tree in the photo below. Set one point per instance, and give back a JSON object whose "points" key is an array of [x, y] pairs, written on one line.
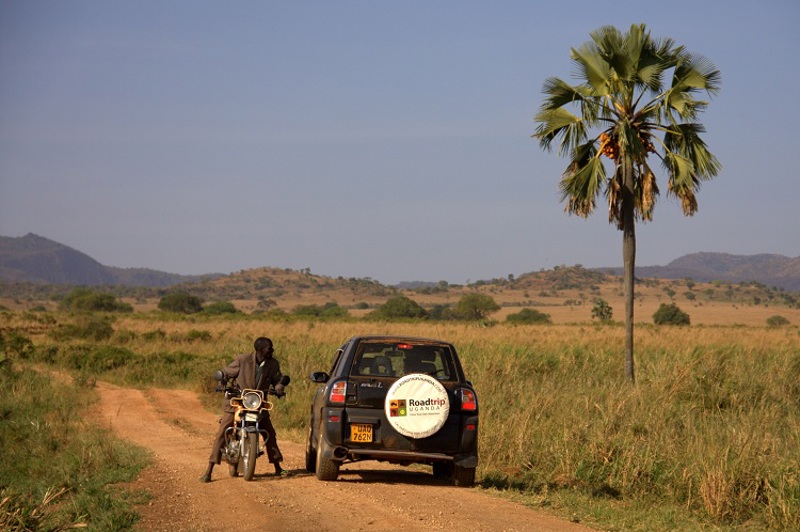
{"points": [[623, 111]]}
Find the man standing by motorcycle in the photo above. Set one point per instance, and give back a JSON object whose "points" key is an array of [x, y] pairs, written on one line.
{"points": [[257, 370]]}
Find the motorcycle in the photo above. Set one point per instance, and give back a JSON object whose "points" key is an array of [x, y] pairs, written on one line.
{"points": [[241, 447]]}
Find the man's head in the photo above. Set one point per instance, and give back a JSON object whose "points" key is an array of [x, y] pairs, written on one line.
{"points": [[263, 347]]}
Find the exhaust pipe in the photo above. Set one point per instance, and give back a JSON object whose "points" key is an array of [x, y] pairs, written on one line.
{"points": [[340, 453]]}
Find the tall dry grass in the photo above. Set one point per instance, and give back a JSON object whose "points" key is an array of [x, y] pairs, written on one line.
{"points": [[711, 428]]}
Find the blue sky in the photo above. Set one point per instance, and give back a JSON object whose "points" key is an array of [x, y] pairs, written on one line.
{"points": [[363, 138]]}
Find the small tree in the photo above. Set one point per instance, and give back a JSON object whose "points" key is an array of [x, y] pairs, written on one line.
{"points": [[670, 315], [602, 310], [476, 307]]}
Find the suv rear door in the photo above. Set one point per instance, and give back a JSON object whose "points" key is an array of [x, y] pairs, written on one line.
{"points": [[375, 366]]}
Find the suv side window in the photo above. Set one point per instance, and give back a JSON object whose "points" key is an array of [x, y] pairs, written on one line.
{"points": [[336, 359]]}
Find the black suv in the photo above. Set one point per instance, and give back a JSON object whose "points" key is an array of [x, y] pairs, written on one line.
{"points": [[395, 399]]}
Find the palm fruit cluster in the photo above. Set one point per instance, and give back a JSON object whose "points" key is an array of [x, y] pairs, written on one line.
{"points": [[609, 146]]}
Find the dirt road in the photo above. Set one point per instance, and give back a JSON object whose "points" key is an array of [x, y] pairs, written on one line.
{"points": [[175, 427]]}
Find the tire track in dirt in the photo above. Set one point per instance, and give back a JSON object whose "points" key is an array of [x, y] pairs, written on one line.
{"points": [[175, 427]]}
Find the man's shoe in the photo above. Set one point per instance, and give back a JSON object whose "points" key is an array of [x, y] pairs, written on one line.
{"points": [[206, 478]]}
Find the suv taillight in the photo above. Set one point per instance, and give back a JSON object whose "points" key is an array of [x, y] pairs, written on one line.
{"points": [[469, 401], [338, 393]]}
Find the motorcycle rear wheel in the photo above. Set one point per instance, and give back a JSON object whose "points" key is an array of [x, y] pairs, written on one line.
{"points": [[250, 455]]}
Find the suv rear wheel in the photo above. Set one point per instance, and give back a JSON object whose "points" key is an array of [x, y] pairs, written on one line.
{"points": [[326, 469], [465, 476], [443, 470]]}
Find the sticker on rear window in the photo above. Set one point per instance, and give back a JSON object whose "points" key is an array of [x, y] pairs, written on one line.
{"points": [[417, 405]]}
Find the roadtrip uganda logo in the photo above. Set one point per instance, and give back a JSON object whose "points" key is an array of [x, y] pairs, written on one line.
{"points": [[397, 407], [417, 405]]}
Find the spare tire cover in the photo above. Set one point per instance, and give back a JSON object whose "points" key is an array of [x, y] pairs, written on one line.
{"points": [[417, 405]]}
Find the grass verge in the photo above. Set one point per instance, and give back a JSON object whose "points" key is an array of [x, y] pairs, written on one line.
{"points": [[58, 472]]}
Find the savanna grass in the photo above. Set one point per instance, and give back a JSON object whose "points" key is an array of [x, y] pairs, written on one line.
{"points": [[709, 435]]}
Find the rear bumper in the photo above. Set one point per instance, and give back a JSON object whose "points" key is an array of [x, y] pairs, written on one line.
{"points": [[461, 460], [461, 450]]}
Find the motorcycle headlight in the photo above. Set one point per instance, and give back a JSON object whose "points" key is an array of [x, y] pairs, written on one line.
{"points": [[251, 400]]}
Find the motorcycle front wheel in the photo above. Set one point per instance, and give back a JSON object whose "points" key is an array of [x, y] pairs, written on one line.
{"points": [[250, 455], [234, 468]]}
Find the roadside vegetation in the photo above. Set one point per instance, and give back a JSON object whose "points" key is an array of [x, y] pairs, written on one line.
{"points": [[58, 471], [707, 438]]}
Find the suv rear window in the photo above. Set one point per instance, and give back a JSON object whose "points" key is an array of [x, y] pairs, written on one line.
{"points": [[395, 360]]}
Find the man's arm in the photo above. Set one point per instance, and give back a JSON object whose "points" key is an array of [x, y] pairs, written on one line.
{"points": [[231, 371]]}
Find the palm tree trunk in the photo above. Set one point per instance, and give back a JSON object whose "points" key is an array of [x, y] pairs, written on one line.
{"points": [[628, 262]]}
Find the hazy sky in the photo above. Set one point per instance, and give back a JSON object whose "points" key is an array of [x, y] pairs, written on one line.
{"points": [[364, 138]]}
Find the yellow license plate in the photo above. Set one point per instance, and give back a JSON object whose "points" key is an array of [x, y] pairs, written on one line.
{"points": [[360, 432]]}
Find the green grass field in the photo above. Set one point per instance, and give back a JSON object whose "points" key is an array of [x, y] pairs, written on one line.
{"points": [[709, 437]]}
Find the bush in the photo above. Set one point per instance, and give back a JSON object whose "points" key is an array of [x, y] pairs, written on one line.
{"points": [[441, 313], [15, 343], [180, 302], [528, 315], [89, 300], [777, 321], [328, 310], [220, 307], [87, 327], [400, 307], [670, 315]]}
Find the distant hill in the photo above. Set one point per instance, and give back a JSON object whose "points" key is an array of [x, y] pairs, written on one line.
{"points": [[768, 269], [35, 259]]}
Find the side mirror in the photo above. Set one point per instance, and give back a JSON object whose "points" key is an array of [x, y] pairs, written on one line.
{"points": [[285, 380], [320, 377], [219, 376]]}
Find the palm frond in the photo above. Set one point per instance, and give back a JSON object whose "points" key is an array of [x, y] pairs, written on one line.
{"points": [[583, 180], [560, 123], [683, 181], [614, 197], [646, 194], [560, 93], [695, 72], [592, 68], [684, 139]]}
